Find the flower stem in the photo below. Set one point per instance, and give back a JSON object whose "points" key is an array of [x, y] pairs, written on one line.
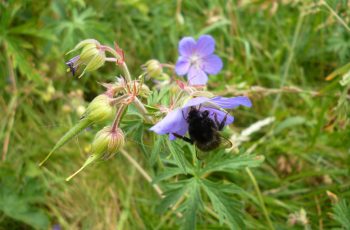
{"points": [[118, 117], [142, 172], [260, 198], [148, 178], [137, 102], [12, 105], [126, 72]]}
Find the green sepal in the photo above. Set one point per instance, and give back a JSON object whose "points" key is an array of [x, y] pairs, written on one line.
{"points": [[75, 130]]}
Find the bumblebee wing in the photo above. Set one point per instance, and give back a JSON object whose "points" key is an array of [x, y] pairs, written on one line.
{"points": [[200, 154], [225, 143]]}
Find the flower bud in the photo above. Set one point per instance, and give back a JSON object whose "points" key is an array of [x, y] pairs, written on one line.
{"points": [[107, 142], [92, 56], [154, 69], [100, 109]]}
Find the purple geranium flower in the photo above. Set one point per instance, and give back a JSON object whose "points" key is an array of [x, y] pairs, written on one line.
{"points": [[197, 59], [175, 122]]}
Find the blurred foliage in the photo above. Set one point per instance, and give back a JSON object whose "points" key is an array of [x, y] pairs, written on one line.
{"points": [[271, 44]]}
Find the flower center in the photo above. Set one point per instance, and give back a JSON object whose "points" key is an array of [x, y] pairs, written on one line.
{"points": [[196, 61]]}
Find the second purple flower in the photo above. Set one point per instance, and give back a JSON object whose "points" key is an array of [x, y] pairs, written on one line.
{"points": [[197, 59]]}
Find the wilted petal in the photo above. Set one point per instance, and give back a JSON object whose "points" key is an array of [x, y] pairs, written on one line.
{"points": [[73, 64], [182, 65], [205, 45], [187, 46], [196, 76], [231, 102], [173, 122], [212, 64]]}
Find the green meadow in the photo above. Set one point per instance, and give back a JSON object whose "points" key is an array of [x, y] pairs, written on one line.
{"points": [[288, 166]]}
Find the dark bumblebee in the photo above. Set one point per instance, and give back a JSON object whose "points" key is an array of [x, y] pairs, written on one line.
{"points": [[203, 130]]}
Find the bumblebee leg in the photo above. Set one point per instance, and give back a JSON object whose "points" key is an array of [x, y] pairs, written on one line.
{"points": [[220, 125], [183, 138], [183, 115]]}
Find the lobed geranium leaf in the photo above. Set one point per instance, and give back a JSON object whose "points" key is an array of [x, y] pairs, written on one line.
{"points": [[226, 207], [172, 195], [191, 205], [178, 154], [225, 162]]}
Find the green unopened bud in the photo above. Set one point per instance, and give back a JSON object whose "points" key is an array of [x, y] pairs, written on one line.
{"points": [[100, 109], [93, 56], [153, 69], [105, 144]]}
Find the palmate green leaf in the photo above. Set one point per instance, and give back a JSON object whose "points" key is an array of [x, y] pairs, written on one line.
{"points": [[21, 60], [226, 162], [227, 208], [342, 214], [167, 173], [190, 189], [191, 205], [157, 148], [178, 154], [172, 195], [32, 30]]}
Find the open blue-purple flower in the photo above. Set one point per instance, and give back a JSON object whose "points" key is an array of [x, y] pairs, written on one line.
{"points": [[175, 121], [197, 59]]}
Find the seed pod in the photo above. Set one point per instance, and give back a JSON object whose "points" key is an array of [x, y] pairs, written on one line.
{"points": [[105, 144], [100, 109]]}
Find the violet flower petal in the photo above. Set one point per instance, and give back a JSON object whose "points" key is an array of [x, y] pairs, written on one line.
{"points": [[196, 76], [182, 65], [196, 101], [212, 64], [187, 46], [173, 122], [231, 102], [205, 45]]}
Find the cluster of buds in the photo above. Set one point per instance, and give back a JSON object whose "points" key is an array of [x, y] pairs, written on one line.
{"points": [[102, 108]]}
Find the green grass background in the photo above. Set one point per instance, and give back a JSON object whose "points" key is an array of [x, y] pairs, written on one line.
{"points": [[287, 48]]}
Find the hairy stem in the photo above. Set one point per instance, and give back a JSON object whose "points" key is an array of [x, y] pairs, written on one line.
{"points": [[147, 177], [137, 102], [289, 60], [260, 198], [12, 106], [118, 117], [336, 15]]}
